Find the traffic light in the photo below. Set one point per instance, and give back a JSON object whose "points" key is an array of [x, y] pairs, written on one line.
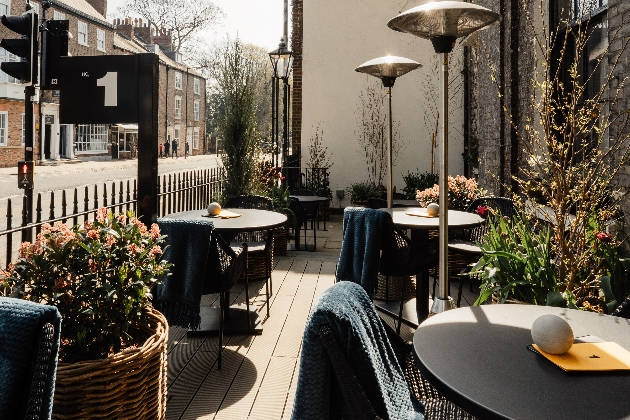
{"points": [[25, 175], [24, 47], [54, 46]]}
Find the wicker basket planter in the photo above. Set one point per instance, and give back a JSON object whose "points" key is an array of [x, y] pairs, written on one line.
{"points": [[394, 289], [280, 241], [127, 385]]}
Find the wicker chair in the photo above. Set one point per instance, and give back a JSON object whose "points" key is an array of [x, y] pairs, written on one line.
{"points": [[305, 212], [260, 243], [400, 257], [465, 245], [28, 358], [303, 192], [623, 310]]}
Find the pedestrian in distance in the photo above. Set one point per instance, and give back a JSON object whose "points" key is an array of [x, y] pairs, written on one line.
{"points": [[167, 148], [174, 149], [161, 149], [186, 150]]}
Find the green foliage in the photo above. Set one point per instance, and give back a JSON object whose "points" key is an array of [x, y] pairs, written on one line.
{"points": [[236, 78], [98, 274], [418, 181], [361, 191], [281, 202], [516, 261]]}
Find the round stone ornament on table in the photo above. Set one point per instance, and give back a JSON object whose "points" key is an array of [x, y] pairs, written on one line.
{"points": [[552, 334], [214, 209], [433, 209]]}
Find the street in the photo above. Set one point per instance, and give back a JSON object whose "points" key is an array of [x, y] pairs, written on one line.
{"points": [[73, 175]]}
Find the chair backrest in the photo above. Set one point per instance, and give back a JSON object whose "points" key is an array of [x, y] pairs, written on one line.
{"points": [[623, 310], [249, 202], [303, 192], [30, 336], [364, 350], [225, 265], [377, 203]]}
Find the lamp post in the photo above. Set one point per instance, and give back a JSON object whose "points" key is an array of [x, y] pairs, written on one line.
{"points": [[387, 69], [442, 22], [282, 60]]}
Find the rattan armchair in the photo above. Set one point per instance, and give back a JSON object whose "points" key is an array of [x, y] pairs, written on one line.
{"points": [[623, 310], [260, 243], [464, 245], [30, 338]]}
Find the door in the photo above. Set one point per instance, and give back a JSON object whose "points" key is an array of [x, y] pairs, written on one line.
{"points": [[47, 140]]}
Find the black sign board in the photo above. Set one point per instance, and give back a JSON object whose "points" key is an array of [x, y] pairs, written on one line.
{"points": [[49, 119], [98, 90]]}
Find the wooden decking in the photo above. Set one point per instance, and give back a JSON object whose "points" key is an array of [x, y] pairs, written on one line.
{"points": [[259, 372]]}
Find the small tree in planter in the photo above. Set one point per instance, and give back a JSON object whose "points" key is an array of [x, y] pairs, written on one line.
{"points": [[99, 275]]}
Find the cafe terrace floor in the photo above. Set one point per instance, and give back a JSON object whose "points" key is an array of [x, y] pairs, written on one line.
{"points": [[259, 372]]}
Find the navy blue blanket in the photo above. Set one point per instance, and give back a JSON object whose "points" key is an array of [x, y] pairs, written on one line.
{"points": [[360, 246], [20, 325], [179, 295], [349, 312]]}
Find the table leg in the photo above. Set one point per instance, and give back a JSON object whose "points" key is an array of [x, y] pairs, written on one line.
{"points": [[421, 236]]}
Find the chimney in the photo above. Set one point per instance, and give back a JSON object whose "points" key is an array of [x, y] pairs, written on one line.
{"points": [[163, 38], [124, 27], [99, 5], [143, 31]]}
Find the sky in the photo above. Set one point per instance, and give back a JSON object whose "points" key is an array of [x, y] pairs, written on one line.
{"points": [[255, 21]]}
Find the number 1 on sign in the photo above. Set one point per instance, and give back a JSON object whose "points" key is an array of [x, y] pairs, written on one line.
{"points": [[110, 83]]}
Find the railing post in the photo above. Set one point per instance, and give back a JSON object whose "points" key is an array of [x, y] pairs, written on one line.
{"points": [[10, 235], [75, 207]]}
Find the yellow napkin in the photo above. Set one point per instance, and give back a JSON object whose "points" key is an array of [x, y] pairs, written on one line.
{"points": [[226, 214], [591, 357], [418, 213]]}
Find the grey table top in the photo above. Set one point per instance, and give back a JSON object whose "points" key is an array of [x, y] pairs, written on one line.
{"points": [[309, 198], [251, 219], [478, 358], [456, 219]]}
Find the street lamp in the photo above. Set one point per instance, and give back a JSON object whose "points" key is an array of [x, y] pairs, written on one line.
{"points": [[282, 60], [387, 69], [442, 22]]}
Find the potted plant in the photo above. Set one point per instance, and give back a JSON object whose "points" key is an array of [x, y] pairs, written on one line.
{"points": [[281, 204], [99, 275], [360, 192], [461, 192]]}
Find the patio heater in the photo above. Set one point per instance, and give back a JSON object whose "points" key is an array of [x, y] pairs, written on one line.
{"points": [[282, 60], [442, 22], [387, 69]]}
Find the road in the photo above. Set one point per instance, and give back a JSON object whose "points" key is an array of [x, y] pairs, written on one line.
{"points": [[73, 175]]}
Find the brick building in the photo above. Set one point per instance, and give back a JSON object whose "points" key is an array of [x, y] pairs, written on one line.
{"points": [[182, 111]]}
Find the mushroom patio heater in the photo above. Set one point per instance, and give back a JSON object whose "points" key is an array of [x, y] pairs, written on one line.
{"points": [[387, 69], [442, 22]]}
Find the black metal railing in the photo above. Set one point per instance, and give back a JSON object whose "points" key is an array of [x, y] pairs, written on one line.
{"points": [[314, 179], [176, 192]]}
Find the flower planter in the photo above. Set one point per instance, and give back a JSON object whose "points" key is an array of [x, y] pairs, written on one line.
{"points": [[280, 241], [130, 384]]}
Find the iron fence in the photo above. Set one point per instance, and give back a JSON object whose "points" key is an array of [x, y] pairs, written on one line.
{"points": [[183, 191]]}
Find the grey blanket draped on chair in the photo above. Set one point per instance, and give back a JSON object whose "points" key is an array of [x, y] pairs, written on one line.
{"points": [[361, 245], [179, 295], [20, 325], [349, 312]]}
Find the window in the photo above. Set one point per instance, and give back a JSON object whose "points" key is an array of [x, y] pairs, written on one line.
{"points": [[4, 115], [100, 40], [197, 86], [82, 38], [91, 138], [176, 131], [195, 141], [57, 15], [5, 7], [7, 56], [178, 107], [178, 80], [196, 110]]}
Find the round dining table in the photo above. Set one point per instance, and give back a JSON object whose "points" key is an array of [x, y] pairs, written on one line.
{"points": [[478, 358], [417, 220], [250, 220]]}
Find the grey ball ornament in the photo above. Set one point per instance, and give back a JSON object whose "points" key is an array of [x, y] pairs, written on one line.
{"points": [[552, 334]]}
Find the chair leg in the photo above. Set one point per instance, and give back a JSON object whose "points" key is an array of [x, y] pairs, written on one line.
{"points": [[400, 310], [314, 239], [249, 324], [387, 289], [221, 320], [267, 280]]}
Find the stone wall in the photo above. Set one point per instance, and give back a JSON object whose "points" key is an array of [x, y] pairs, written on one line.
{"points": [[296, 93]]}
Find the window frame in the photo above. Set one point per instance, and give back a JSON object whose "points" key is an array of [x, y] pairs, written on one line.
{"points": [[178, 80], [57, 15], [100, 43], [81, 24], [196, 86], [7, 4], [196, 109], [195, 138], [4, 131], [96, 135], [178, 106]]}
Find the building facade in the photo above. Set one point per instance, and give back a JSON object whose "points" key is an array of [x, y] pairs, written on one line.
{"points": [[182, 90]]}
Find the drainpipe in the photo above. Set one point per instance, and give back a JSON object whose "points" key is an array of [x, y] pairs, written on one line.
{"points": [[502, 101], [168, 68], [514, 90], [466, 114]]}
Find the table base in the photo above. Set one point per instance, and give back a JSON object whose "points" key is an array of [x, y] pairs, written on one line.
{"points": [[234, 324]]}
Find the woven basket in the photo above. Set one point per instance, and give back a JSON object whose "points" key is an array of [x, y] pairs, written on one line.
{"points": [[130, 384], [280, 241], [395, 284]]}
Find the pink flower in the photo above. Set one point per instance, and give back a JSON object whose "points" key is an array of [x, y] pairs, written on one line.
{"points": [[604, 237], [155, 231], [282, 178], [156, 250], [482, 211], [93, 234]]}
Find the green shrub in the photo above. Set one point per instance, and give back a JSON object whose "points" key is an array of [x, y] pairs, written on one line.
{"points": [[361, 191], [418, 181]]}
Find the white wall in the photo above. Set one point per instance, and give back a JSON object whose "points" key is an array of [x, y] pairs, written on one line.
{"points": [[338, 37]]}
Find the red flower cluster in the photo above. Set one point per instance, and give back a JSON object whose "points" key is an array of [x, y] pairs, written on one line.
{"points": [[482, 211], [604, 237]]}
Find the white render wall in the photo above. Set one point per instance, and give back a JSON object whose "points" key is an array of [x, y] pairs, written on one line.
{"points": [[338, 37]]}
